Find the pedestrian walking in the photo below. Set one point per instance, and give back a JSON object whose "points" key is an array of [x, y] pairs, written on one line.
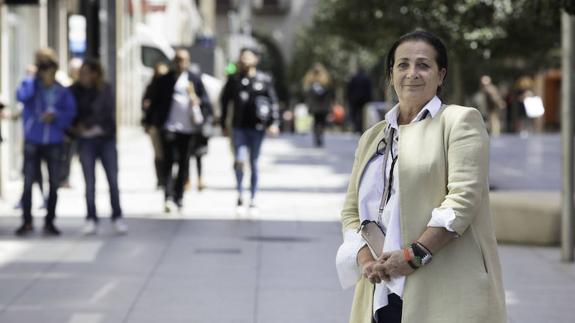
{"points": [[175, 100], [49, 109], [318, 95], [160, 69], [439, 154], [95, 128], [359, 93], [493, 103], [254, 110]]}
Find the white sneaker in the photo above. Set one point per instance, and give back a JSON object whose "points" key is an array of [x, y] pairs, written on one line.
{"points": [[170, 206], [120, 227], [240, 211], [90, 228], [253, 210]]}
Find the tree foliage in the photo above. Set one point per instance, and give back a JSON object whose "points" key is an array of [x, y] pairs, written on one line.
{"points": [[505, 38]]}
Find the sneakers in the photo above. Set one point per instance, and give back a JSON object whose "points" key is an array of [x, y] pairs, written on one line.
{"points": [[169, 206], [119, 226], [90, 228], [27, 228], [24, 230], [240, 210], [201, 185], [51, 230], [253, 209]]}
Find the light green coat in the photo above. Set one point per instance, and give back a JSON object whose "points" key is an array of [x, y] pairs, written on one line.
{"points": [[443, 162]]}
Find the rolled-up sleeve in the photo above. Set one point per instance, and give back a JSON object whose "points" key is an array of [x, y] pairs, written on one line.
{"points": [[348, 269], [442, 218]]}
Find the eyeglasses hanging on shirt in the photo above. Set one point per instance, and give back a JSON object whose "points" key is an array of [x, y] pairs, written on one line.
{"points": [[386, 151]]}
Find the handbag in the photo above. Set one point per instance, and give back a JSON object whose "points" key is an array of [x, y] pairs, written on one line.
{"points": [[196, 115], [263, 108], [533, 106], [374, 236]]}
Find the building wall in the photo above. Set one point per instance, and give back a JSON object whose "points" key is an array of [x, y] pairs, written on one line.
{"points": [[282, 27]]}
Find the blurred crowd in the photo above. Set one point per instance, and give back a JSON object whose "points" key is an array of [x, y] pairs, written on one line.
{"points": [[75, 114]]}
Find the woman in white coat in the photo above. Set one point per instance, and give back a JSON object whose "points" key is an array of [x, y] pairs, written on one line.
{"points": [[421, 176]]}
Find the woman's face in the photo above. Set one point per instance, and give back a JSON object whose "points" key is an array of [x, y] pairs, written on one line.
{"points": [[415, 73]]}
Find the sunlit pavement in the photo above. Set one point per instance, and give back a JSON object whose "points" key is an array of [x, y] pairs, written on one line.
{"points": [[206, 264]]}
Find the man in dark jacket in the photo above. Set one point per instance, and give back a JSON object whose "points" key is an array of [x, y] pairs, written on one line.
{"points": [[172, 98], [358, 94], [49, 109], [254, 109]]}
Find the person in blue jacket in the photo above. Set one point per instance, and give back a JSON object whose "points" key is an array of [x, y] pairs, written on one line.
{"points": [[49, 109]]}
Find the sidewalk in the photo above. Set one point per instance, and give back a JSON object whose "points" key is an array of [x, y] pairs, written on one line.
{"points": [[206, 265]]}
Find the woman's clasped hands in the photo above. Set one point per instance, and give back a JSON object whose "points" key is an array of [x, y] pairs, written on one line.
{"points": [[389, 265]]}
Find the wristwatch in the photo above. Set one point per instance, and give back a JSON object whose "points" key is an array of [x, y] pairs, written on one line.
{"points": [[421, 253]]}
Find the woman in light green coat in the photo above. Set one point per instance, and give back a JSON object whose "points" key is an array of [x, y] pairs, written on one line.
{"points": [[421, 176]]}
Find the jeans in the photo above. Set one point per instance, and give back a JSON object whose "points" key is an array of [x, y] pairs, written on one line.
{"points": [[103, 149], [33, 156], [176, 147], [247, 143]]}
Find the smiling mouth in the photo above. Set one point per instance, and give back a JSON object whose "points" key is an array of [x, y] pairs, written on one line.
{"points": [[413, 85]]}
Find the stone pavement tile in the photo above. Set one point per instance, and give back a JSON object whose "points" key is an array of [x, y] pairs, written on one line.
{"points": [[13, 285], [166, 300], [47, 315], [213, 230], [535, 314], [79, 292], [296, 249], [538, 286], [303, 306], [207, 270], [289, 266]]}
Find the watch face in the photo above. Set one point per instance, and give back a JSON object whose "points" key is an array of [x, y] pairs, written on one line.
{"points": [[426, 259]]}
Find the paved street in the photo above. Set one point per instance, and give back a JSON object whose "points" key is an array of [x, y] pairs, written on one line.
{"points": [[526, 163], [208, 265]]}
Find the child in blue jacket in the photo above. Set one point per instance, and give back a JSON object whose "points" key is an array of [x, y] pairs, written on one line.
{"points": [[49, 109]]}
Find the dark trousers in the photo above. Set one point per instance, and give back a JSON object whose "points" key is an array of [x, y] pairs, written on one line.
{"points": [[176, 148], [357, 118], [68, 151], [319, 123], [247, 144], [392, 312], [103, 149], [33, 156]]}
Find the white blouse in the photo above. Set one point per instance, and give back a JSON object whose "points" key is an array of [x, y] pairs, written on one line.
{"points": [[369, 197]]}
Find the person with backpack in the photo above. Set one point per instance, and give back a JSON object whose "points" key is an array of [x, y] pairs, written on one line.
{"points": [[254, 110]]}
